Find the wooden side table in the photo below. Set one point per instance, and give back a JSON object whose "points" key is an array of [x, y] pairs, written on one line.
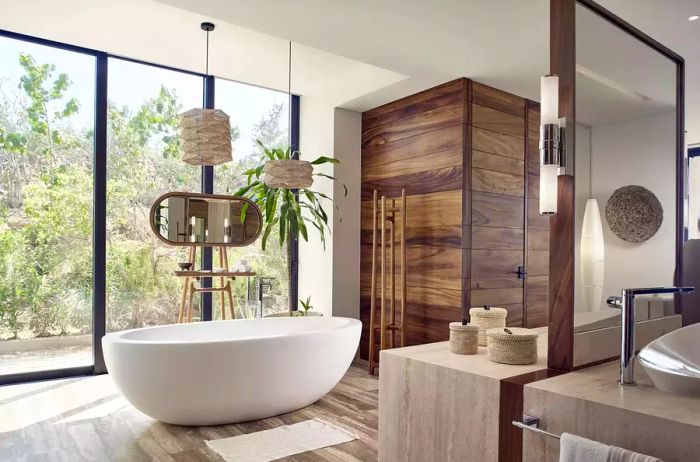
{"points": [[189, 288]]}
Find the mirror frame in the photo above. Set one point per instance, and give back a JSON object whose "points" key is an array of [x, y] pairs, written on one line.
{"points": [[253, 206], [562, 254]]}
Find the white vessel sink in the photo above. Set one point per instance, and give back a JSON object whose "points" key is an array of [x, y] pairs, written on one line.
{"points": [[672, 361]]}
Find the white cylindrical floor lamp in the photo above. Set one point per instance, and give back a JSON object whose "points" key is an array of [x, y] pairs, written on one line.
{"points": [[592, 257]]}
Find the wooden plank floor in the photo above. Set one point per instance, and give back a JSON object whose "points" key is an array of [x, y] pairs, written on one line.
{"points": [[86, 419]]}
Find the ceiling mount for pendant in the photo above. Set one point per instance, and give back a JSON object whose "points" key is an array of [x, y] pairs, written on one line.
{"points": [[208, 26]]}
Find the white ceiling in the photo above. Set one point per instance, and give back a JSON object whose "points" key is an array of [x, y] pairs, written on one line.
{"points": [[620, 82], [360, 53], [503, 43]]}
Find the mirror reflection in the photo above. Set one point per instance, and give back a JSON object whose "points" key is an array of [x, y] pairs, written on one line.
{"points": [[206, 220], [625, 173]]}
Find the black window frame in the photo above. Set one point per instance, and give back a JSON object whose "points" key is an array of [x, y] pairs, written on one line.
{"points": [[99, 241]]}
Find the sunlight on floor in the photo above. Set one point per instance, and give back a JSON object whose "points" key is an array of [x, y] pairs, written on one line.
{"points": [[25, 405]]}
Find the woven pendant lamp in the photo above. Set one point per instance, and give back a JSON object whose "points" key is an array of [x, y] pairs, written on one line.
{"points": [[289, 173], [205, 137], [205, 134]]}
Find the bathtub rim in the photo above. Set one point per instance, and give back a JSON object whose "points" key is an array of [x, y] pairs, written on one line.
{"points": [[118, 337]]}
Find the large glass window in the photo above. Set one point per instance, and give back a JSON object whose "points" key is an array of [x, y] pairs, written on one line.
{"points": [[257, 114], [144, 162], [49, 176], [47, 117]]}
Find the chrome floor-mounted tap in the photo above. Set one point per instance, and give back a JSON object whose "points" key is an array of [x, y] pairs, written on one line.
{"points": [[626, 303]]}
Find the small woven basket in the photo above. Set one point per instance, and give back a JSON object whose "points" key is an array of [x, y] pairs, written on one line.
{"points": [[464, 339], [487, 318], [512, 345]]}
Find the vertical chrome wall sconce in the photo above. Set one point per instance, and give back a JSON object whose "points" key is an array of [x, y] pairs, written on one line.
{"points": [[552, 144]]}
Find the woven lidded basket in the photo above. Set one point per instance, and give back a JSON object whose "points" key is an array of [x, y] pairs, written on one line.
{"points": [[513, 345], [464, 339], [487, 318]]}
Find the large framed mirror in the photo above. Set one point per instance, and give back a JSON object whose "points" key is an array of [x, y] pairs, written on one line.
{"points": [[629, 181], [205, 220]]}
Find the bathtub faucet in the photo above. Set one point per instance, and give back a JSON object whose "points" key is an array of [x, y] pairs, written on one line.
{"points": [[627, 350], [263, 285]]}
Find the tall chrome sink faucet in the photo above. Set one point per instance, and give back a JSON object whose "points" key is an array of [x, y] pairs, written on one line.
{"points": [[627, 351]]}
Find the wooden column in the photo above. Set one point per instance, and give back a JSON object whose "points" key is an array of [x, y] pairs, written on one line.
{"points": [[562, 53]]}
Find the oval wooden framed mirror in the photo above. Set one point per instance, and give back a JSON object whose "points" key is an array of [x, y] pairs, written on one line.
{"points": [[205, 220]]}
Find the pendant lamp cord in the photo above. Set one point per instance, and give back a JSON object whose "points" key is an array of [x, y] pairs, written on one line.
{"points": [[289, 91], [207, 54]]}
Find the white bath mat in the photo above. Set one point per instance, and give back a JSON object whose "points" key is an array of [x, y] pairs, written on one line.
{"points": [[284, 441]]}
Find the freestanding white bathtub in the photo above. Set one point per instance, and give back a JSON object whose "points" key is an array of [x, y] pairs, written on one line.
{"points": [[212, 373]]}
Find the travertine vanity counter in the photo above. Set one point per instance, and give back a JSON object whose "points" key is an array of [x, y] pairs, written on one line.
{"points": [[435, 405], [590, 403]]}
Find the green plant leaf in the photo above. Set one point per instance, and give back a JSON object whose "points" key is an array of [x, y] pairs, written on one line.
{"points": [[268, 229], [244, 212], [244, 190], [325, 160], [270, 204]]}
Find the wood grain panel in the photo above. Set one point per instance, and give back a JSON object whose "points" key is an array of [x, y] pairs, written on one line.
{"points": [[495, 263], [497, 297], [538, 262], [561, 286], [497, 99], [484, 238], [438, 267], [533, 153], [497, 143], [429, 210], [444, 179], [538, 239], [444, 139], [432, 98], [509, 282], [515, 315], [439, 236], [427, 266], [537, 301], [416, 124], [497, 163], [497, 210], [497, 182], [497, 121], [533, 189], [437, 160]]}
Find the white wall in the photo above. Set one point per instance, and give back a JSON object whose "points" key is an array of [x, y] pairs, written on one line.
{"points": [[331, 275], [637, 152], [346, 225]]}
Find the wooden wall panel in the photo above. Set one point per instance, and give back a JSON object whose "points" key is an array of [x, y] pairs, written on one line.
{"points": [[496, 143], [496, 163], [418, 143], [413, 125], [467, 156], [499, 122]]}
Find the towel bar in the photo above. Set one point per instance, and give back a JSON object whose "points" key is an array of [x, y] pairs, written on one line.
{"points": [[533, 424]]}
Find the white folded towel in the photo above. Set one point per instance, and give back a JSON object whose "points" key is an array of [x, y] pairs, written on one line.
{"points": [[623, 455], [577, 449]]}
